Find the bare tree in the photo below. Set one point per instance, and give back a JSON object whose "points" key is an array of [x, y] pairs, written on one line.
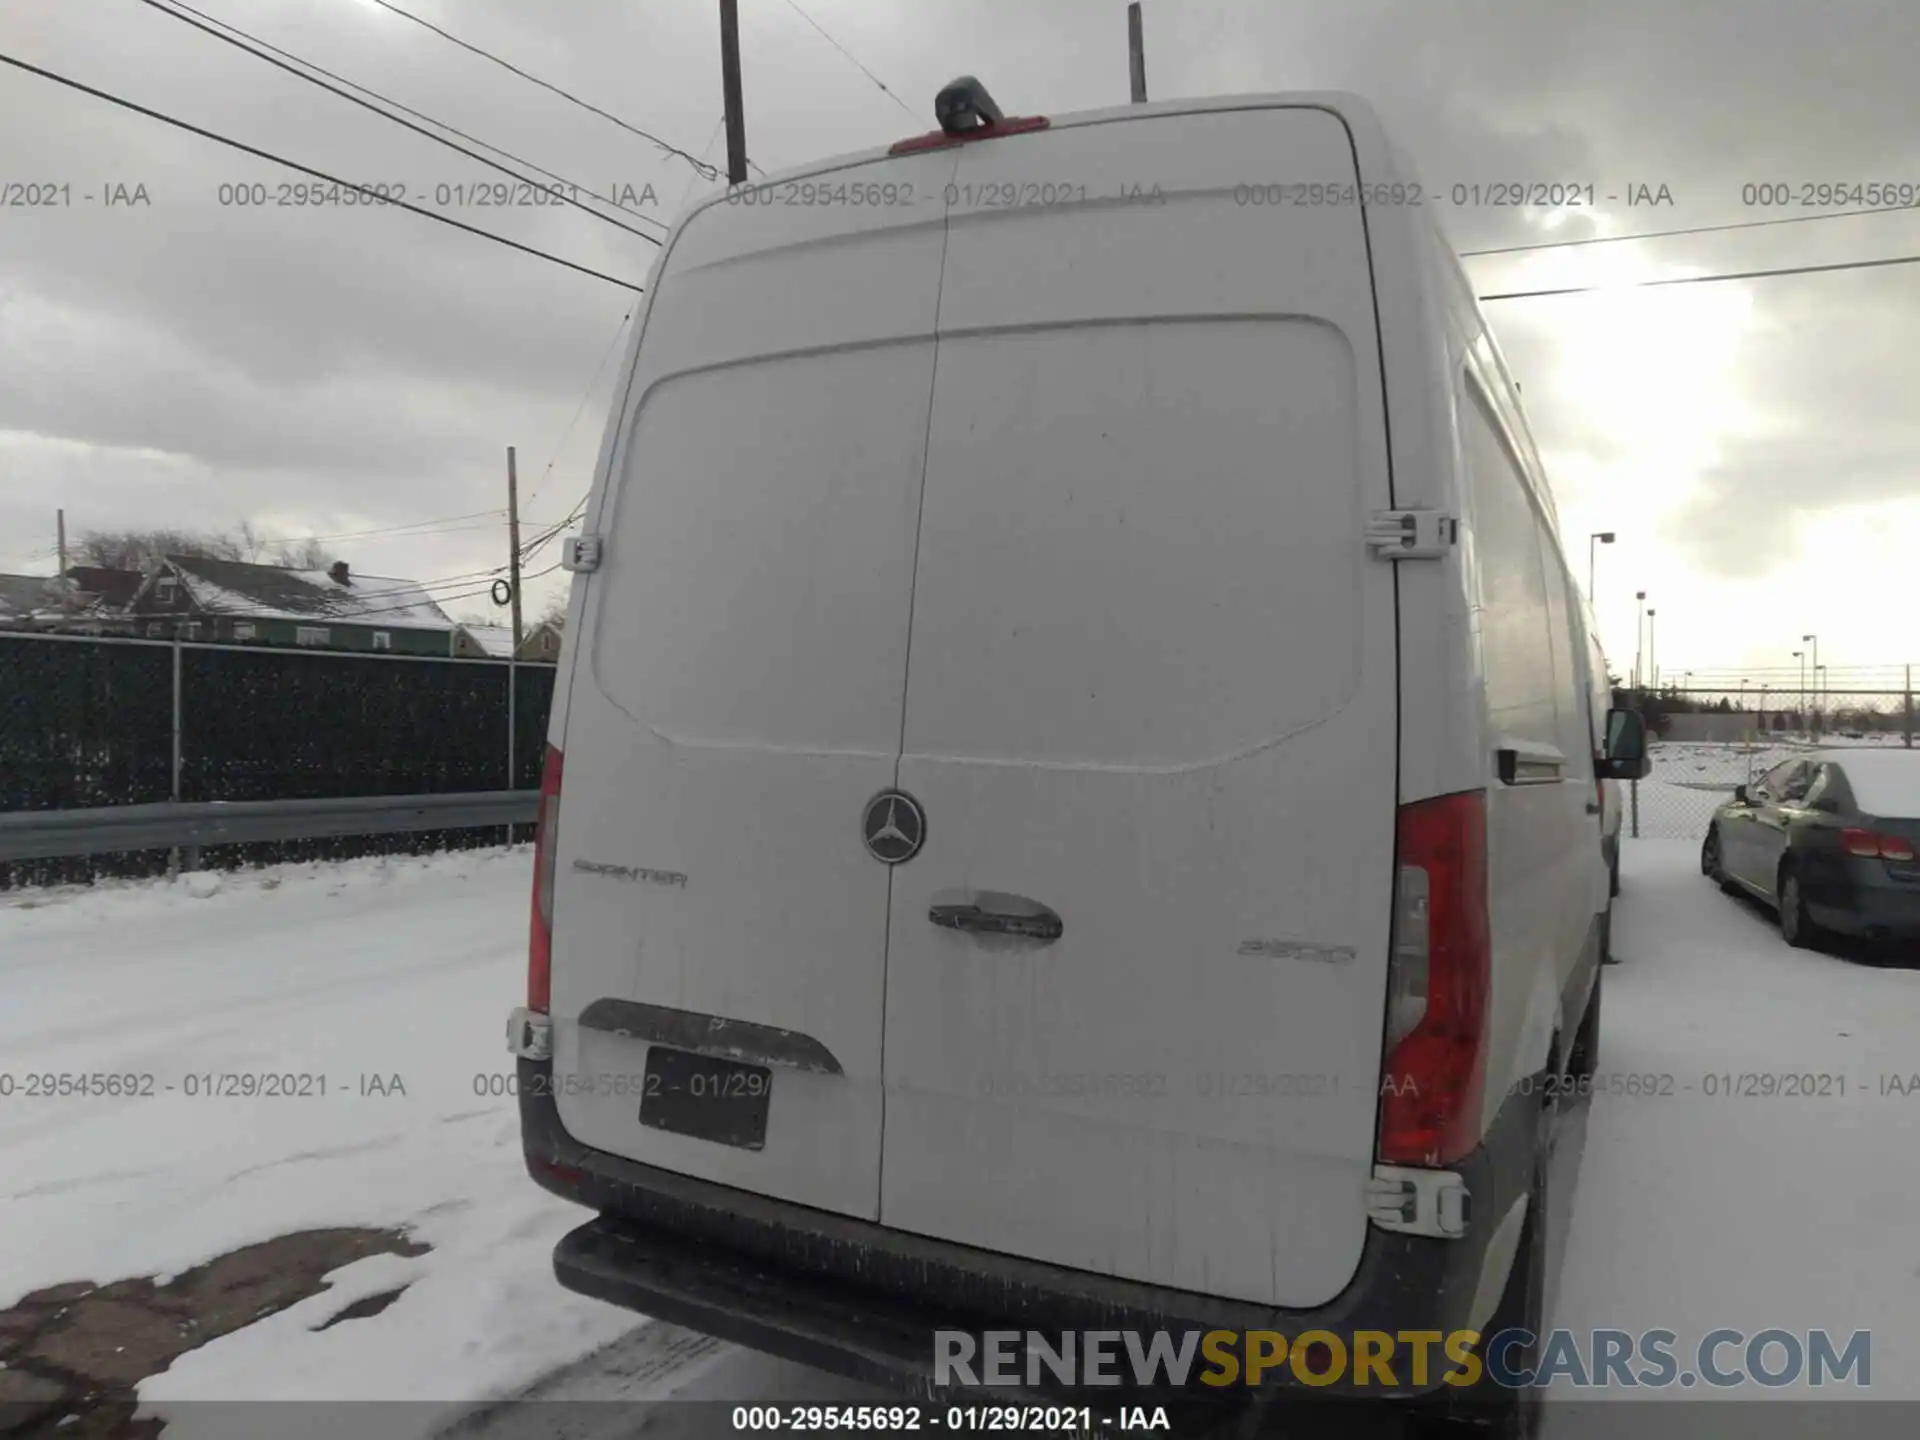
{"points": [[556, 612], [135, 549], [307, 554], [250, 541]]}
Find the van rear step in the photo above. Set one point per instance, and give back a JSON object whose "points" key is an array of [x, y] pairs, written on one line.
{"points": [[834, 1328], [854, 1334]]}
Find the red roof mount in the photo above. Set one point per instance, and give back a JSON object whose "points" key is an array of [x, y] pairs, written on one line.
{"points": [[967, 112]]}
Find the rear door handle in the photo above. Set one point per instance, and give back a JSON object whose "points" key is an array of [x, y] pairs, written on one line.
{"points": [[975, 921]]}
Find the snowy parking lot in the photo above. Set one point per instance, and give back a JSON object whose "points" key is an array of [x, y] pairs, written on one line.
{"points": [[374, 992]]}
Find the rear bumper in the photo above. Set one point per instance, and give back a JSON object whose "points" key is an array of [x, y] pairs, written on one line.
{"points": [[860, 1300], [1877, 914], [1858, 897]]}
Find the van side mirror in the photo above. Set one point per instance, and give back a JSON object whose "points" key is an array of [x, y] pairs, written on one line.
{"points": [[1626, 753]]}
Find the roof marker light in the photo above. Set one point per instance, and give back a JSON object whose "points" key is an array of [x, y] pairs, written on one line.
{"points": [[967, 112]]}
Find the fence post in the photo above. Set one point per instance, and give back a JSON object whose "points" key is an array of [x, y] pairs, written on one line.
{"points": [[513, 696], [173, 856]]}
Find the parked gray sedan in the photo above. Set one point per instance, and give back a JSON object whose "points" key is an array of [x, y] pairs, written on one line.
{"points": [[1828, 840]]}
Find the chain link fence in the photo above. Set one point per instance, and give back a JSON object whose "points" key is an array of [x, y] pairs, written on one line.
{"points": [[1702, 751], [88, 721]]}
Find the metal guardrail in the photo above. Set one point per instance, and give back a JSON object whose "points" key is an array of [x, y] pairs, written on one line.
{"points": [[46, 834]]}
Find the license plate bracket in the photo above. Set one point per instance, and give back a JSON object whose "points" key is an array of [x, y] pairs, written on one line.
{"points": [[706, 1097]]}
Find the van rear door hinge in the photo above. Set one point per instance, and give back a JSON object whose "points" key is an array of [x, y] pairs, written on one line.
{"points": [[1418, 1202], [1412, 534], [580, 554]]}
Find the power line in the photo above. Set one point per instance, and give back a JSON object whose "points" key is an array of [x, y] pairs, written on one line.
{"points": [[529, 551], [717, 125], [400, 585], [1688, 230], [546, 536], [309, 170], [402, 533], [1706, 279], [420, 115], [605, 355], [437, 600], [387, 529], [855, 63], [709, 171], [242, 45], [416, 526]]}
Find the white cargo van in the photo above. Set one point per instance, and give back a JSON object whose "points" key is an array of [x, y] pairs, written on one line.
{"points": [[1070, 788]]}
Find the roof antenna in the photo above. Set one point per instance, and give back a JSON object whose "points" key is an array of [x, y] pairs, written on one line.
{"points": [[964, 105]]}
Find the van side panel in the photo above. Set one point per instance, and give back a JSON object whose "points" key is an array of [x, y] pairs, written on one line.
{"points": [[1452, 439], [1540, 841], [1151, 687]]}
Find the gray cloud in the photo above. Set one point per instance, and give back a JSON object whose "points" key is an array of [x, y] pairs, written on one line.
{"points": [[373, 364]]}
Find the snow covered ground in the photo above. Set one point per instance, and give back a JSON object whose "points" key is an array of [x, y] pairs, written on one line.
{"points": [[1699, 1210], [1693, 1211], [400, 968]]}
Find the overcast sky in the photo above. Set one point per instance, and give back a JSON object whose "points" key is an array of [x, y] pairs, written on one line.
{"points": [[325, 372]]}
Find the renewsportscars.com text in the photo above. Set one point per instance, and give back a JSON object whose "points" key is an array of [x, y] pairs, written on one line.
{"points": [[1412, 1359]]}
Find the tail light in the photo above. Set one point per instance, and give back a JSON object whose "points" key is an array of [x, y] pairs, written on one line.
{"points": [[540, 941], [1871, 845], [1438, 982]]}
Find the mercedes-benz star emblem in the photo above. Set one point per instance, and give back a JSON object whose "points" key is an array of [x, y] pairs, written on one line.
{"points": [[893, 827]]}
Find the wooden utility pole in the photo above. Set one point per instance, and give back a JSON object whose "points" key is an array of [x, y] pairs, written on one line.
{"points": [[730, 90], [513, 543], [1136, 54], [60, 528], [1907, 709]]}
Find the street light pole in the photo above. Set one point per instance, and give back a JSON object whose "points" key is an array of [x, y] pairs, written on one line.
{"points": [[1598, 537], [1639, 633], [1653, 665], [1814, 733], [1801, 656]]}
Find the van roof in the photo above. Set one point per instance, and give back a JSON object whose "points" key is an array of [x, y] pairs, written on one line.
{"points": [[1354, 109]]}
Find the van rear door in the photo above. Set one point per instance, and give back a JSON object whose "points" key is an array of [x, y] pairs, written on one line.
{"points": [[1151, 697], [737, 701]]}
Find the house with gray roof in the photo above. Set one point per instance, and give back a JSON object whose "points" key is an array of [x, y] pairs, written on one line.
{"points": [[199, 598], [23, 596]]}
